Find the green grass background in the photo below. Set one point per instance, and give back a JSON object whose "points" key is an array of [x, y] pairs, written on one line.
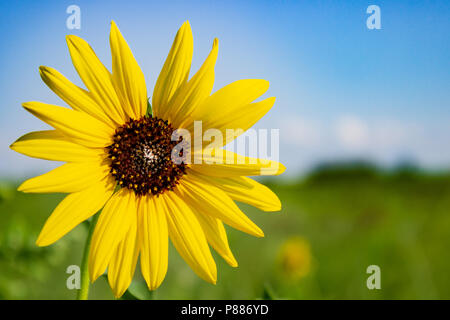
{"points": [[352, 215]]}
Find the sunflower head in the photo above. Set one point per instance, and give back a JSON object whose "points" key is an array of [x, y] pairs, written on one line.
{"points": [[121, 160], [141, 156]]}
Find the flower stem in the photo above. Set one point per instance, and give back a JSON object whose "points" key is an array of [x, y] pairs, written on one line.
{"points": [[84, 290]]}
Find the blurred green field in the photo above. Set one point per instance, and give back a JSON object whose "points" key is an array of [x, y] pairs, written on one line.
{"points": [[352, 216]]}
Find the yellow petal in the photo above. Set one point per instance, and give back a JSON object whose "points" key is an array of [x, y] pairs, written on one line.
{"points": [[113, 224], [194, 92], [76, 97], [154, 240], [188, 238], [127, 76], [96, 78], [76, 126], [232, 125], [123, 262], [53, 145], [67, 178], [175, 71], [209, 200], [244, 118], [246, 190], [74, 209], [232, 101], [233, 164], [216, 235]]}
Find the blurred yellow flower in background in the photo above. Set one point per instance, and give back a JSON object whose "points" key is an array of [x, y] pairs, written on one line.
{"points": [[295, 259]]}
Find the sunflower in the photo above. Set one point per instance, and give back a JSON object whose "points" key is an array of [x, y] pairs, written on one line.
{"points": [[117, 159]]}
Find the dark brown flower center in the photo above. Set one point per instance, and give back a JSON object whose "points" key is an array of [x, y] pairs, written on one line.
{"points": [[141, 156]]}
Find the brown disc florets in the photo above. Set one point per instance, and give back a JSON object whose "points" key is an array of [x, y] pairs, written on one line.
{"points": [[141, 156]]}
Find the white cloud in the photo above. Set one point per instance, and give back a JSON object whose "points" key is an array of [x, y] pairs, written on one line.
{"points": [[301, 132], [352, 132]]}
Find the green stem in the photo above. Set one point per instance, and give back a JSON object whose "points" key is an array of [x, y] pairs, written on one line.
{"points": [[84, 290]]}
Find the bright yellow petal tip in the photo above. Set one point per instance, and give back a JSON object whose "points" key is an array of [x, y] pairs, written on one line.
{"points": [[281, 168]]}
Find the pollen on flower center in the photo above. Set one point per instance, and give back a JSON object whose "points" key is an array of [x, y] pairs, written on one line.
{"points": [[141, 156]]}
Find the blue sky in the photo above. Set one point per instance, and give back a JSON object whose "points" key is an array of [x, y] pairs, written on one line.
{"points": [[343, 91]]}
